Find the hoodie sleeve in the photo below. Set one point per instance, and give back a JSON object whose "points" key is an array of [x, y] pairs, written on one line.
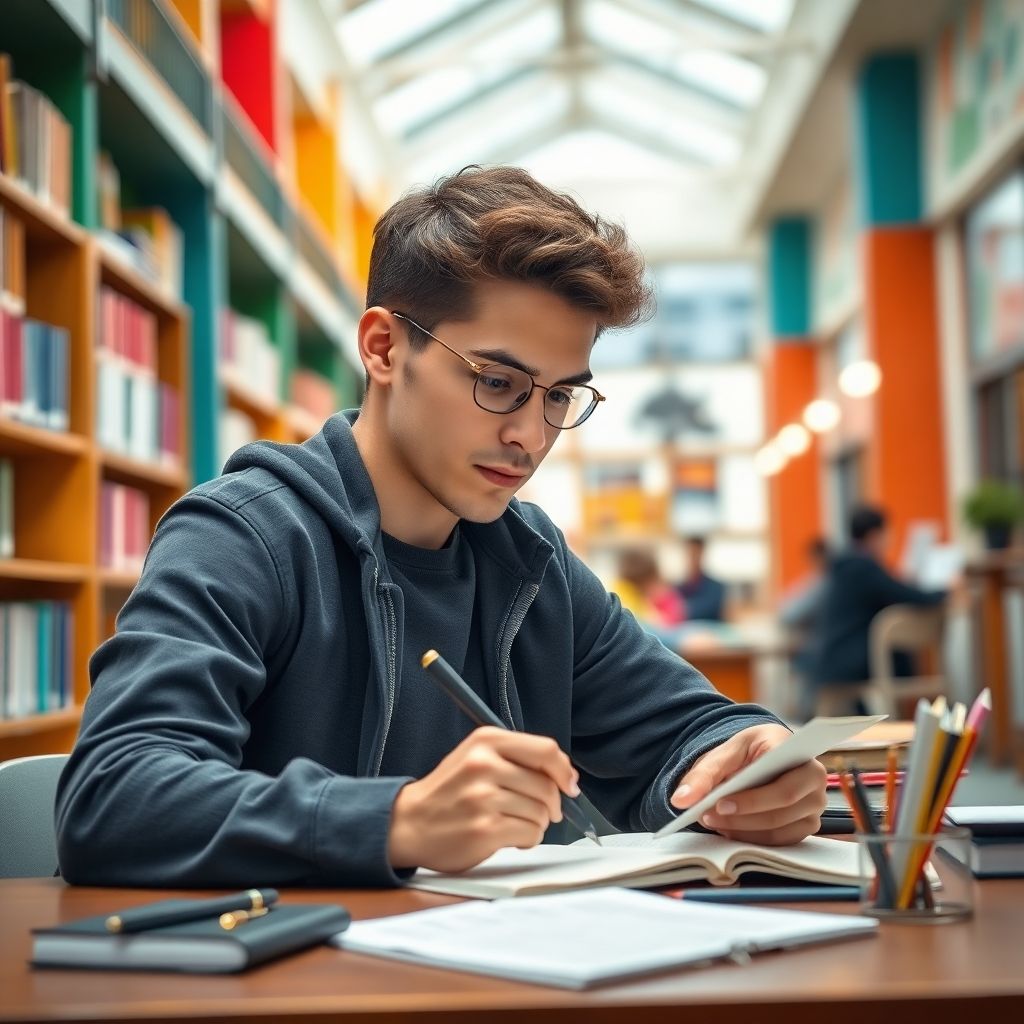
{"points": [[153, 793], [641, 714]]}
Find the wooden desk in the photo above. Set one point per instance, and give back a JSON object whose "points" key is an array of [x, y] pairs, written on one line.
{"points": [[971, 972], [730, 669]]}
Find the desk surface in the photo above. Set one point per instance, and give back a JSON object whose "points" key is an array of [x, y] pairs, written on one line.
{"points": [[971, 972]]}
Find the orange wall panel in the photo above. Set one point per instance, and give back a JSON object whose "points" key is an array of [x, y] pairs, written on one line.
{"points": [[790, 380], [905, 461]]}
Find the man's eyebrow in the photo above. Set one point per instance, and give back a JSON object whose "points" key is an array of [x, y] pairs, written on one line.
{"points": [[499, 355]]}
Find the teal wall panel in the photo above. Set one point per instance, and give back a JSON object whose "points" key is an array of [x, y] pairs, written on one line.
{"points": [[789, 276], [889, 140]]}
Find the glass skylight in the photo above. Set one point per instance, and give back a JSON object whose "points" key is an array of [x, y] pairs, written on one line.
{"points": [[598, 154], [380, 26], [767, 15], [497, 56], [722, 75]]}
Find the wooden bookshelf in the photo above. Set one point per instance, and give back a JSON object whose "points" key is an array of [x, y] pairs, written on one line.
{"points": [[148, 90]]}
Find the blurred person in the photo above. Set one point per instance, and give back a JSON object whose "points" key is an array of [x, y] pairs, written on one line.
{"points": [[703, 594], [798, 613], [643, 591], [857, 587]]}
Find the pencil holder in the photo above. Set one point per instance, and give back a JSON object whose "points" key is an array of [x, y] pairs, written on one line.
{"points": [[904, 880]]}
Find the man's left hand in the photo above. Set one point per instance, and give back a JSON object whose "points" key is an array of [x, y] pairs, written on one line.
{"points": [[779, 813]]}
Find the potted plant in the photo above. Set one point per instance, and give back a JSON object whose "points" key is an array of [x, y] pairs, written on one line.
{"points": [[995, 507]]}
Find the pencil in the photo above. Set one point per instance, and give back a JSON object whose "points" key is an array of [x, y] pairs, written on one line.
{"points": [[890, 790], [464, 698]]}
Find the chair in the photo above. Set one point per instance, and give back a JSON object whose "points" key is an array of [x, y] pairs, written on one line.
{"points": [[900, 627], [28, 789]]}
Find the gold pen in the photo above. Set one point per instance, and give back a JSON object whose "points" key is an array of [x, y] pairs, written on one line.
{"points": [[237, 917]]}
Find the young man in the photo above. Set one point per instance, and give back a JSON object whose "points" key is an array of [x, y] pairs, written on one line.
{"points": [[261, 715]]}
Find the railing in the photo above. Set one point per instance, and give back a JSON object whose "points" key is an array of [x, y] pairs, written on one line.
{"points": [[145, 24], [311, 249], [253, 167]]}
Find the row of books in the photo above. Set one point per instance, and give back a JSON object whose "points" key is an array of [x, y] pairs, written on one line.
{"points": [[35, 657], [249, 355], [12, 262], [145, 237], [34, 371], [124, 527], [137, 414], [35, 140], [6, 508]]}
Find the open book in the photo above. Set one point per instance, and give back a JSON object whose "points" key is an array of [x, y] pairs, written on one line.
{"points": [[636, 860]]}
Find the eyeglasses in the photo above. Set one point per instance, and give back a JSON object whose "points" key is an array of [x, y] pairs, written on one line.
{"points": [[503, 389]]}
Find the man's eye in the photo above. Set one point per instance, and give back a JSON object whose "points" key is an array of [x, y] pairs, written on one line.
{"points": [[493, 383], [560, 397]]}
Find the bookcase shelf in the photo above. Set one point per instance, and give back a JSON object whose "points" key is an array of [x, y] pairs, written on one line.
{"points": [[31, 725], [118, 579], [136, 473], [39, 218], [38, 571], [23, 439], [127, 280]]}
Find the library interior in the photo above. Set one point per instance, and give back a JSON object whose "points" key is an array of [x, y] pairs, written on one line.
{"points": [[786, 503]]}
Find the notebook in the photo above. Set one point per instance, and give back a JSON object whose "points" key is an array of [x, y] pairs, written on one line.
{"points": [[638, 860], [577, 940], [196, 946]]}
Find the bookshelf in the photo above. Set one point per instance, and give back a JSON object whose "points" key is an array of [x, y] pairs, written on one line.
{"points": [[216, 137]]}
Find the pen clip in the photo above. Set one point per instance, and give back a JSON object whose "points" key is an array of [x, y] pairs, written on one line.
{"points": [[236, 917]]}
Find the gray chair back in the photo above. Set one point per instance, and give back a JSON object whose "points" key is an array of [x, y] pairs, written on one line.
{"points": [[28, 789]]}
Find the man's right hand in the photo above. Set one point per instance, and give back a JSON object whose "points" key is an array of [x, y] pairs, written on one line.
{"points": [[495, 789]]}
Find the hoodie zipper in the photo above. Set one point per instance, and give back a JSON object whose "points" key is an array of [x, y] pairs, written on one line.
{"points": [[391, 628], [517, 612]]}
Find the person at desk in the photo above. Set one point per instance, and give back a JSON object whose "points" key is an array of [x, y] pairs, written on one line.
{"points": [[643, 591], [704, 596], [261, 716], [857, 587]]}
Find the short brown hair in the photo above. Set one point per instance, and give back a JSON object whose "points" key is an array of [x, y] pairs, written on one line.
{"points": [[434, 244]]}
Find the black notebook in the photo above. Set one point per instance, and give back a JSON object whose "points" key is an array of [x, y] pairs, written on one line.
{"points": [[196, 946]]}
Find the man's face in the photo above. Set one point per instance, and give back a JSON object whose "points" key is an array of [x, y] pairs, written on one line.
{"points": [[463, 458]]}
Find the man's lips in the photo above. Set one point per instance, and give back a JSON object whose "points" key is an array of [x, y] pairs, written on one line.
{"points": [[501, 477]]}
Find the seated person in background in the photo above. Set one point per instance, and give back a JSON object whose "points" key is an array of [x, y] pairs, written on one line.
{"points": [[261, 715], [857, 588], [645, 593], [704, 596], [798, 613]]}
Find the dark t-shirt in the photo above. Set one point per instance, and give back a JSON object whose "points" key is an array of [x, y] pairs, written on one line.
{"points": [[439, 591]]}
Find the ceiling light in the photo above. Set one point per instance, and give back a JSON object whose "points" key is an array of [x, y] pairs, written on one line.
{"points": [[793, 439], [860, 379], [821, 415], [769, 460]]}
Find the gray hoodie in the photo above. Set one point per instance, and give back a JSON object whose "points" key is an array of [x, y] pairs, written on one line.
{"points": [[238, 717]]}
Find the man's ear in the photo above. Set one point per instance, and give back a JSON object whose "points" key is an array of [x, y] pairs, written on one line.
{"points": [[378, 338]]}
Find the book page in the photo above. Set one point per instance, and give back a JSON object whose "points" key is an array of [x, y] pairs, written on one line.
{"points": [[814, 858], [578, 939], [812, 739], [512, 872]]}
